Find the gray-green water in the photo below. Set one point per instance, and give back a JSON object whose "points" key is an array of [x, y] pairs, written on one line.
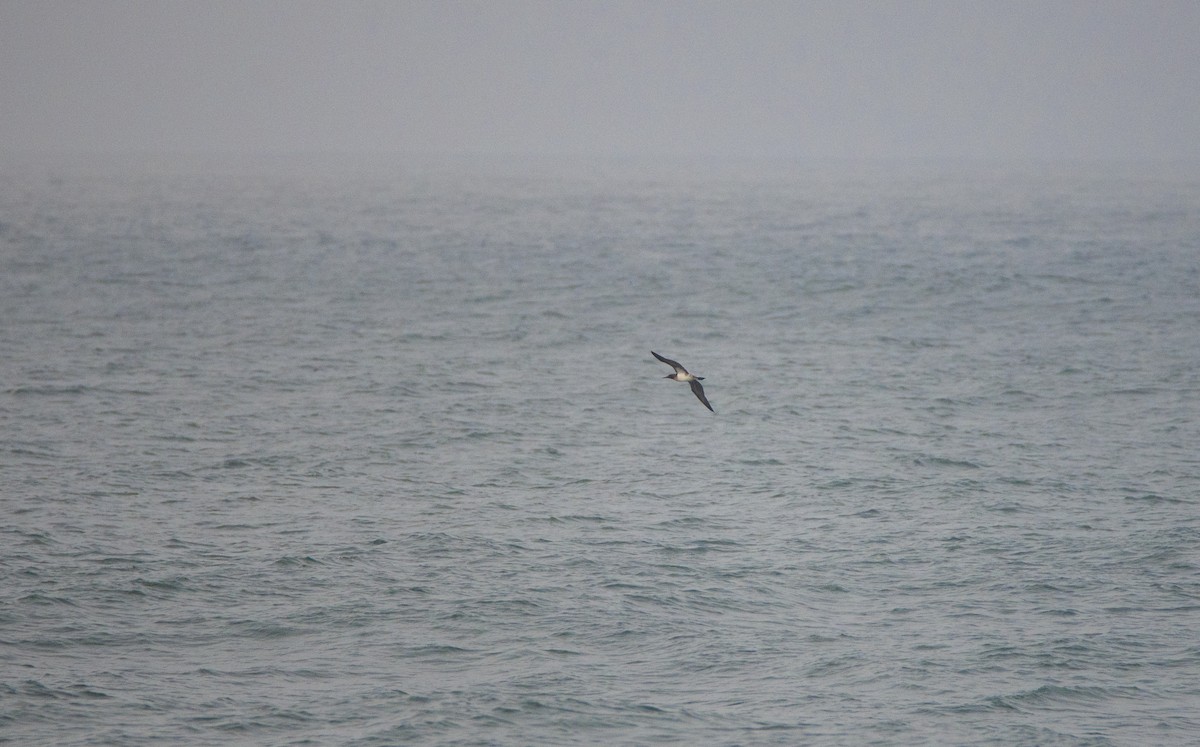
{"points": [[377, 454]]}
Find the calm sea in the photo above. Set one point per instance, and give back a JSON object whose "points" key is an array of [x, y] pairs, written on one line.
{"points": [[309, 452]]}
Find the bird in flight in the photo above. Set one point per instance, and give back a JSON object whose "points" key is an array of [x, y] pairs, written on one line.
{"points": [[681, 374]]}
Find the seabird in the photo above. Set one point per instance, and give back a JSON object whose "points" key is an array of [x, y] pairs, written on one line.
{"points": [[681, 374]]}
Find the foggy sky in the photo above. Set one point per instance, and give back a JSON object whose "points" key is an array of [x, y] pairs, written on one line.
{"points": [[1012, 79]]}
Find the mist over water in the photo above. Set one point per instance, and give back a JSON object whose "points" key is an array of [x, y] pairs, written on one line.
{"points": [[378, 454]]}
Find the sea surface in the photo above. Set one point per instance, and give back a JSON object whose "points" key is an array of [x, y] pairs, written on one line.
{"points": [[321, 451]]}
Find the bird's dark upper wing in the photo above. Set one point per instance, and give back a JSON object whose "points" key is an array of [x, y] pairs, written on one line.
{"points": [[699, 392], [669, 362]]}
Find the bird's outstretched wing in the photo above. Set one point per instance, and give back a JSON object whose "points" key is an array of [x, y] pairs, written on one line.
{"points": [[669, 362], [699, 392]]}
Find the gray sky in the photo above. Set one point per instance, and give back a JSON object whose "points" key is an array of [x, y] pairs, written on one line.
{"points": [[843, 78]]}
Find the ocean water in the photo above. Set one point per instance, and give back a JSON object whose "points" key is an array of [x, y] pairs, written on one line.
{"points": [[309, 452]]}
